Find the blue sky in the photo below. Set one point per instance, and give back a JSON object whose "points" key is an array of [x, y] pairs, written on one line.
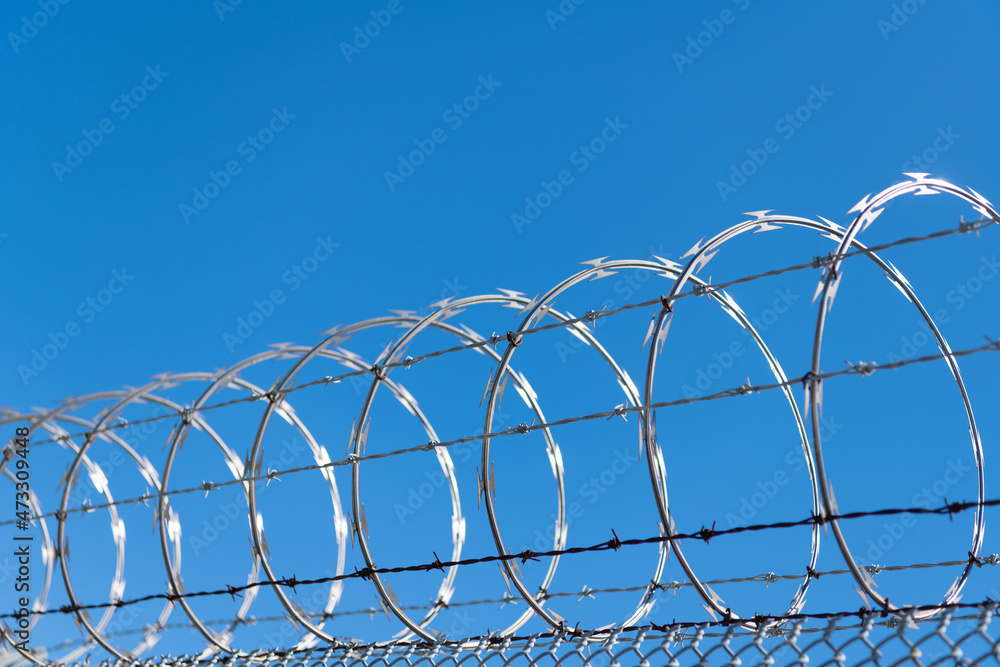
{"points": [[189, 184]]}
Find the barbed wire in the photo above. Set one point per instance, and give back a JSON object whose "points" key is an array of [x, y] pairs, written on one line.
{"points": [[766, 578], [669, 634], [705, 534], [672, 632], [964, 227], [248, 472], [860, 370]]}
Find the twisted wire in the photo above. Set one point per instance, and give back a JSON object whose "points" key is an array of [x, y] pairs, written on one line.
{"points": [[861, 370], [964, 227], [671, 632], [247, 471], [673, 586], [705, 534]]}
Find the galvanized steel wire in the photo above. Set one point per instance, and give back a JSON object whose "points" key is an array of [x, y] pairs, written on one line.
{"points": [[247, 468]]}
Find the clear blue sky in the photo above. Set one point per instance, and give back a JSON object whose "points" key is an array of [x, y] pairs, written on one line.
{"points": [[172, 171]]}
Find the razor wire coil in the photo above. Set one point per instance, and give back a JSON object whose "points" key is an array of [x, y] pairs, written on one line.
{"points": [[247, 470]]}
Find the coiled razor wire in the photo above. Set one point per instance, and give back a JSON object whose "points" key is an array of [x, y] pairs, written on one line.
{"points": [[247, 471]]}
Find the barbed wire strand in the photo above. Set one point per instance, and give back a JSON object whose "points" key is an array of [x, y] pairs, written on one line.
{"points": [[817, 262], [705, 534], [894, 619], [862, 370], [766, 578]]}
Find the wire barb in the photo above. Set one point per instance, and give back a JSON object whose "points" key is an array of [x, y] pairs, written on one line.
{"points": [[247, 472]]}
